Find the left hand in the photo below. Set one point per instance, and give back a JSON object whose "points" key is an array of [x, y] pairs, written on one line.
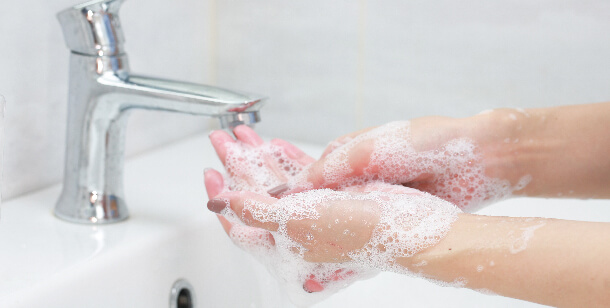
{"points": [[251, 238]]}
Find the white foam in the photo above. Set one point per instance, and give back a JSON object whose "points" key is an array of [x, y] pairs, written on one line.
{"points": [[520, 243], [523, 181], [522, 111], [403, 221], [486, 292], [459, 282], [487, 111], [258, 169], [421, 263], [458, 174]]}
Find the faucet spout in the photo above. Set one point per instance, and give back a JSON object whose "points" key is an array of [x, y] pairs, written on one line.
{"points": [[102, 93], [188, 97], [230, 107]]}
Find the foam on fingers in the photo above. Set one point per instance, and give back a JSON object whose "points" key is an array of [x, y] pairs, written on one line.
{"points": [[220, 139], [293, 152], [247, 135], [260, 168], [454, 169], [402, 225], [354, 234]]}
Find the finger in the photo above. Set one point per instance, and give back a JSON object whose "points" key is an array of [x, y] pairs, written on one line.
{"points": [[247, 135], [426, 186], [314, 179], [337, 169], [249, 207], [214, 183], [317, 284], [245, 236], [214, 186], [384, 187], [219, 139], [293, 152], [226, 225], [322, 257], [333, 145], [251, 239], [312, 285], [343, 140]]}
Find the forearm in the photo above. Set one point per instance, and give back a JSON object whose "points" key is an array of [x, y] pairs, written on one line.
{"points": [[554, 262], [565, 150]]}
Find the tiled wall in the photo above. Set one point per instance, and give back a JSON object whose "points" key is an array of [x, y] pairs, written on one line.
{"points": [[329, 67]]}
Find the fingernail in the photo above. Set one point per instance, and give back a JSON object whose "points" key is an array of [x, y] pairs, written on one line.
{"points": [[311, 286], [217, 205], [278, 190]]}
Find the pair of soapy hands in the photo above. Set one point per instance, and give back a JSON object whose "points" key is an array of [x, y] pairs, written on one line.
{"points": [[331, 245], [257, 233]]}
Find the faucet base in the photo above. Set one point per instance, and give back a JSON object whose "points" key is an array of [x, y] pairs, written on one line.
{"points": [[97, 209]]}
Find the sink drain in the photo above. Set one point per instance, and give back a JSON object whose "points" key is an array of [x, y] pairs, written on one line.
{"points": [[182, 295]]}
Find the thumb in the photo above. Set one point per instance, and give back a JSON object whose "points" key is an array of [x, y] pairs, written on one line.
{"points": [[338, 168], [252, 209]]}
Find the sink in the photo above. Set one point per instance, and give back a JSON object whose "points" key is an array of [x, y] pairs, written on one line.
{"points": [[170, 235]]}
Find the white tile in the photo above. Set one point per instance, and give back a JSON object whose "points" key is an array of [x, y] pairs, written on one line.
{"points": [[303, 55], [457, 58], [167, 39]]}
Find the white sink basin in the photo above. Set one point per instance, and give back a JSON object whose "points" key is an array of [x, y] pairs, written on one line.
{"points": [[46, 262]]}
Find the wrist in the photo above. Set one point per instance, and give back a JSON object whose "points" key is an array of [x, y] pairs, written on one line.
{"points": [[444, 261], [507, 142], [533, 259], [477, 250]]}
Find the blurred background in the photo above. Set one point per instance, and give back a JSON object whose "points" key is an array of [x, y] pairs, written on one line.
{"points": [[328, 67]]}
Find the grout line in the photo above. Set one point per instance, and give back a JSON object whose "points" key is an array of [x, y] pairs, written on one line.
{"points": [[212, 69], [359, 103], [213, 42]]}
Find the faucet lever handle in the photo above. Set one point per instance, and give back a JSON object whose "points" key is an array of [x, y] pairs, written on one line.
{"points": [[93, 28]]}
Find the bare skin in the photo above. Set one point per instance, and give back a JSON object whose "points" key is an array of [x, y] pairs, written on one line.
{"points": [[548, 261], [564, 149], [562, 264]]}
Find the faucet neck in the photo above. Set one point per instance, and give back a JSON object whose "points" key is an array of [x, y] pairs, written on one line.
{"points": [[101, 66], [93, 179]]}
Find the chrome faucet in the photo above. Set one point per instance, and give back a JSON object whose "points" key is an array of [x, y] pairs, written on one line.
{"points": [[102, 92]]}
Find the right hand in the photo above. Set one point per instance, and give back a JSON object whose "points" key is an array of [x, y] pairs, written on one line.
{"points": [[454, 159]]}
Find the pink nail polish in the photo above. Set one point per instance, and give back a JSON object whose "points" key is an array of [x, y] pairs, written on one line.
{"points": [[278, 190], [217, 205], [311, 286]]}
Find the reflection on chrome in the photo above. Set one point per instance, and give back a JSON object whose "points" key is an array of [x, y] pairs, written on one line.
{"points": [[102, 92]]}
